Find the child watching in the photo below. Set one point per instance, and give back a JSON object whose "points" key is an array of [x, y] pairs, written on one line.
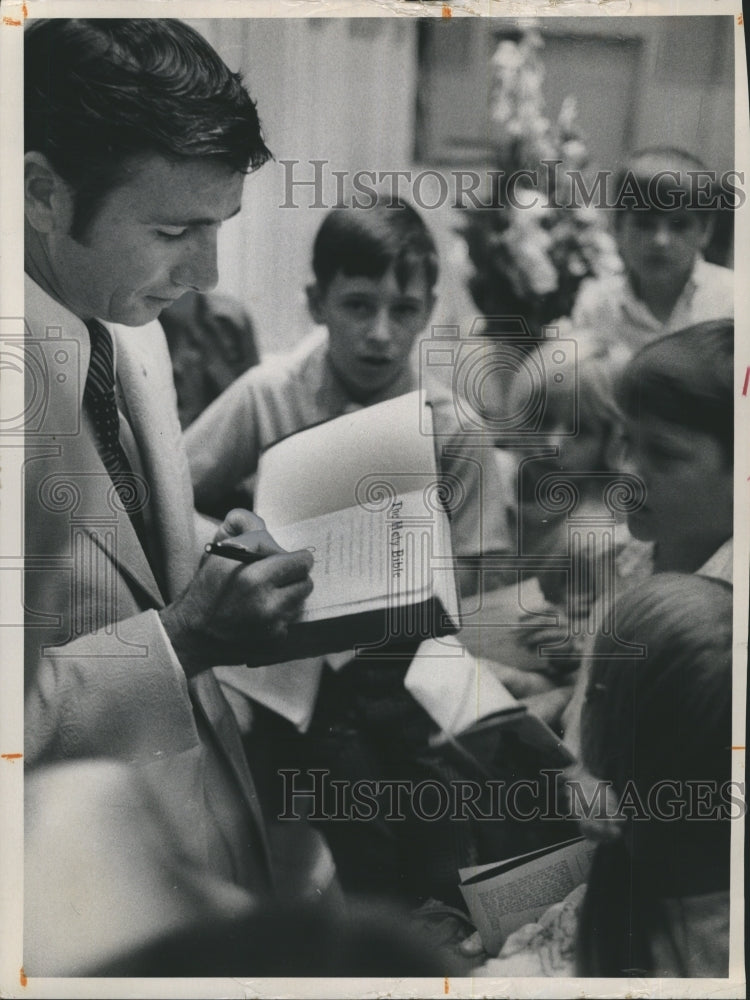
{"points": [[577, 435], [666, 284], [576, 443], [375, 270], [677, 398]]}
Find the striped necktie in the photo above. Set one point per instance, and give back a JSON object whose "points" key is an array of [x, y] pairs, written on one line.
{"points": [[101, 405]]}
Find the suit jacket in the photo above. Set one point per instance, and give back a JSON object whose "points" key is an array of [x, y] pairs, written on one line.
{"points": [[102, 679]]}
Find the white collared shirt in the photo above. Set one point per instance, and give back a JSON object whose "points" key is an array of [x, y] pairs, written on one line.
{"points": [[610, 309]]}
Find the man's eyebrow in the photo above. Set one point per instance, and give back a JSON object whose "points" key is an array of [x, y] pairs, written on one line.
{"points": [[164, 220]]}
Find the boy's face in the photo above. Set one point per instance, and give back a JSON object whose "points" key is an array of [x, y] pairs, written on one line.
{"points": [[372, 324], [661, 247], [688, 485], [576, 454]]}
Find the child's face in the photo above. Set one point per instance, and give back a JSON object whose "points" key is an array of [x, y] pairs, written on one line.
{"points": [[372, 324], [579, 452], [688, 484], [661, 247]]}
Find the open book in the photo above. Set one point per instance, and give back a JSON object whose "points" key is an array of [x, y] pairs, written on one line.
{"points": [[512, 743], [486, 730], [362, 493], [503, 897]]}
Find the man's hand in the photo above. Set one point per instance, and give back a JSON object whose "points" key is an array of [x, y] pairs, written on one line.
{"points": [[229, 607]]}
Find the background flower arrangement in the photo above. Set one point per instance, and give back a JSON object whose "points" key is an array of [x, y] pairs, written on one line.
{"points": [[530, 261]]}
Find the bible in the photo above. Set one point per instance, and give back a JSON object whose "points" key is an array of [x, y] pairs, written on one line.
{"points": [[363, 493]]}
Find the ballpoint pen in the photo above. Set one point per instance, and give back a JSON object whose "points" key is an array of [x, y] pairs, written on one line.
{"points": [[232, 550]]}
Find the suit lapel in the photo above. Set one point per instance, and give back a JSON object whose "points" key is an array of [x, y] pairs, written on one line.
{"points": [[128, 552], [145, 374], [78, 460]]}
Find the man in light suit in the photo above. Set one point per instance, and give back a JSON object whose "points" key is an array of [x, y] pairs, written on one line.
{"points": [[137, 140]]}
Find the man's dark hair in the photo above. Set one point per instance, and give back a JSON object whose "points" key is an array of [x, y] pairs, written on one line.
{"points": [[367, 242], [686, 378], [100, 92]]}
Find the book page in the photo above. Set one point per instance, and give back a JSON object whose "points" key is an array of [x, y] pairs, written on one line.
{"points": [[455, 687], [361, 559], [353, 459], [367, 558], [503, 903]]}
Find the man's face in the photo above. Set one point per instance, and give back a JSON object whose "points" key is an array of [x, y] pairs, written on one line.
{"points": [[372, 323], [688, 484], [152, 239], [661, 246]]}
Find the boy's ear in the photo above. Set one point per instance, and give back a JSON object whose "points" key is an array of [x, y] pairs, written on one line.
{"points": [[315, 302], [48, 199], [429, 306]]}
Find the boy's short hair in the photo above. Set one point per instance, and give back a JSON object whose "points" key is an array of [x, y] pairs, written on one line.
{"points": [[100, 92], [685, 378], [658, 178], [367, 242]]}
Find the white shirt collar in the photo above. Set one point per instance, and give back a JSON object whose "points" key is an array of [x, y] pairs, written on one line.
{"points": [[638, 310], [721, 564]]}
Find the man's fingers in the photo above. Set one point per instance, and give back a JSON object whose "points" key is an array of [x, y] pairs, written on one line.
{"points": [[282, 580], [287, 602], [248, 529], [258, 541], [285, 568], [239, 520]]}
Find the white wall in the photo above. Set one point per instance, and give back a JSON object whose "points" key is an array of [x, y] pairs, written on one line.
{"points": [[328, 89], [345, 91]]}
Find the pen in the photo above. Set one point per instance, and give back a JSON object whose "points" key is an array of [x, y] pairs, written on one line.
{"points": [[231, 550]]}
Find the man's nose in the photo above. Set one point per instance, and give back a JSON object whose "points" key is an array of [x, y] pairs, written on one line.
{"points": [[198, 267]]}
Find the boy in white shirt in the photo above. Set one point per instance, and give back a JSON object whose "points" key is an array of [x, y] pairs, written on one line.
{"points": [[665, 285], [677, 397]]}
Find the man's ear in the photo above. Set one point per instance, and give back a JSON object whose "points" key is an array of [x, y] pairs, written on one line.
{"points": [[48, 199], [315, 302]]}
